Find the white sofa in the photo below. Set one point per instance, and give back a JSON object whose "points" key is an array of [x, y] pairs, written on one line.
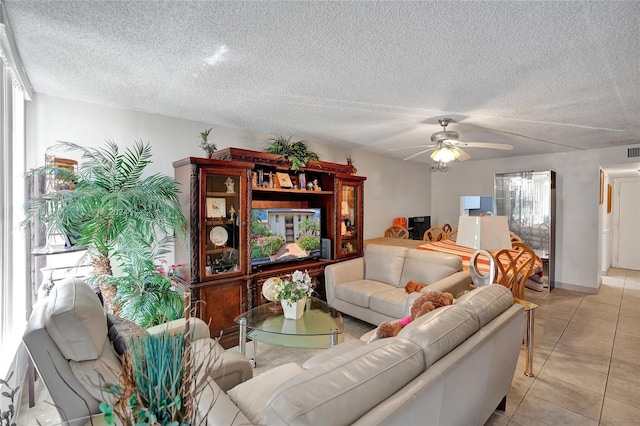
{"points": [[371, 287], [453, 366]]}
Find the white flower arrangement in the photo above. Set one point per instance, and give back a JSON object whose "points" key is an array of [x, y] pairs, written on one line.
{"points": [[294, 287]]}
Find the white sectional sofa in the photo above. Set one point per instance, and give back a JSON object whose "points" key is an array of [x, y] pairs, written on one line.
{"points": [[371, 287], [452, 366]]}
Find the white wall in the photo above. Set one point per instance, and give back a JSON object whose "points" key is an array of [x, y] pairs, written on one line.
{"points": [[393, 188], [578, 237]]}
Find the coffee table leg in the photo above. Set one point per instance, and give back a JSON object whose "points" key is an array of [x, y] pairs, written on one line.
{"points": [[243, 336], [334, 336]]}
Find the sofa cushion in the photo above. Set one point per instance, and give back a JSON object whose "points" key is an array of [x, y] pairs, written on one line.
{"points": [[486, 303], [390, 302], [345, 388], [359, 292], [440, 331], [384, 263], [427, 267], [95, 373], [251, 396], [121, 330], [75, 320]]}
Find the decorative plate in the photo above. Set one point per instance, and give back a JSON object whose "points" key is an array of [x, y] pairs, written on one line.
{"points": [[219, 236]]}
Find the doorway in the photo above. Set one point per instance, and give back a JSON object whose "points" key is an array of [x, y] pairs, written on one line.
{"points": [[626, 223]]}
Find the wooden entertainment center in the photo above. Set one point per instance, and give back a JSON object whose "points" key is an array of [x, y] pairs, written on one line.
{"points": [[218, 196]]}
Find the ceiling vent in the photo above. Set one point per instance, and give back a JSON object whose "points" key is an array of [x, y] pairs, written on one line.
{"points": [[633, 152]]}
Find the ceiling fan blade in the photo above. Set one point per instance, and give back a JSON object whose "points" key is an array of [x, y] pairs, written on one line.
{"points": [[411, 147], [463, 155], [504, 146], [416, 154]]}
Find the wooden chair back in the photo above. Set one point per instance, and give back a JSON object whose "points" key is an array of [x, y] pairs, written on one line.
{"points": [[435, 233], [514, 268], [446, 228], [397, 231], [453, 235], [515, 238]]}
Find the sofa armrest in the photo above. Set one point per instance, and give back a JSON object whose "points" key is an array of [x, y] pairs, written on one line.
{"points": [[341, 272], [199, 328], [456, 284]]}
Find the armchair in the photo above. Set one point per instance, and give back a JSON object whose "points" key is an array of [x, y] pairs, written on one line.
{"points": [[68, 342]]}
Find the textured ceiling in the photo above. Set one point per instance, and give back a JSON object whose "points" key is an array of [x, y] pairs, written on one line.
{"points": [[367, 75]]}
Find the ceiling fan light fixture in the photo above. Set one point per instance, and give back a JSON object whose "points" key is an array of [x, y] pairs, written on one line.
{"points": [[444, 154]]}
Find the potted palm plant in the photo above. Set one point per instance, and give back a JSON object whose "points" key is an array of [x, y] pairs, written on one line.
{"points": [[111, 199]]}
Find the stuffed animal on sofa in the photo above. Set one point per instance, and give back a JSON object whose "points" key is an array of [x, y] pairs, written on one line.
{"points": [[424, 304], [413, 287]]}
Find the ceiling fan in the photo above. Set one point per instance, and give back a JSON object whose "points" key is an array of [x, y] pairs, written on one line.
{"points": [[446, 147]]}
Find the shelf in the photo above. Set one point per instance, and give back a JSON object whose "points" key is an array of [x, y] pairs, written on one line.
{"points": [[291, 191], [56, 249], [222, 194]]}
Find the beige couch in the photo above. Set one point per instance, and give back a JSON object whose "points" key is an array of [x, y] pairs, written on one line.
{"points": [[371, 287], [67, 340], [453, 366]]}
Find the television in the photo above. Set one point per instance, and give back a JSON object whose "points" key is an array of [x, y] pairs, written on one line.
{"points": [[284, 235]]}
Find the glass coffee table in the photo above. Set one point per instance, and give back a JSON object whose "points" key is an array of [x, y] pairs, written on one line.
{"points": [[320, 327]]}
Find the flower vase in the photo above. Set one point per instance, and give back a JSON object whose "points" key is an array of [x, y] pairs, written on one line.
{"points": [[293, 309]]}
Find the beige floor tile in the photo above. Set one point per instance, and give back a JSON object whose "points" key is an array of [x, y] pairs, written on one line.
{"points": [[590, 359], [626, 341], [519, 387], [592, 328], [562, 303], [624, 390], [560, 366], [497, 419], [536, 411], [632, 284], [616, 413], [579, 341], [547, 311], [606, 294], [624, 370], [628, 327], [549, 328], [592, 306], [563, 394]]}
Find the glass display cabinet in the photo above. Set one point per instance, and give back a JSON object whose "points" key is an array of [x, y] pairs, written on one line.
{"points": [[527, 199], [221, 238], [350, 207]]}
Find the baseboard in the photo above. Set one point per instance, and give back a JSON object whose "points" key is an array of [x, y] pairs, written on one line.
{"points": [[573, 287]]}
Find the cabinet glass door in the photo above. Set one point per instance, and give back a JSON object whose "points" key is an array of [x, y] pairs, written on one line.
{"points": [[349, 217], [222, 241]]}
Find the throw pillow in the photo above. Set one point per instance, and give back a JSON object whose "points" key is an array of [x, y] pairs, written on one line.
{"points": [[121, 331]]}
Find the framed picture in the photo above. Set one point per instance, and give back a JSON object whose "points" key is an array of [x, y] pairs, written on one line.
{"points": [[601, 186], [216, 207], [609, 191], [284, 180]]}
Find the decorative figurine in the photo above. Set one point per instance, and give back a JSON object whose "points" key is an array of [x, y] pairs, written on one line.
{"points": [[310, 186], [229, 183]]}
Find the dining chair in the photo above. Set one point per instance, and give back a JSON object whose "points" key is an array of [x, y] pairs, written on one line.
{"points": [[446, 228], [453, 235], [515, 238], [397, 231], [514, 268], [435, 233]]}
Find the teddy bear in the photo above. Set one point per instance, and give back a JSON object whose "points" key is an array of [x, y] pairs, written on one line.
{"points": [[413, 287], [424, 304]]}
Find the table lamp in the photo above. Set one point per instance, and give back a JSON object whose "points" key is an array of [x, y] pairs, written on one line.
{"points": [[483, 233]]}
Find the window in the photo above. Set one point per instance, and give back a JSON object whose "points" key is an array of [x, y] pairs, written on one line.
{"points": [[14, 91]]}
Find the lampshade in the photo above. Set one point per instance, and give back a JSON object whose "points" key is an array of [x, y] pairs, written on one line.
{"points": [[484, 232], [444, 154]]}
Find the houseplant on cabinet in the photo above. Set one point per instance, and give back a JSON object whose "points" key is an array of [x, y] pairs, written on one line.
{"points": [[296, 152], [111, 199]]}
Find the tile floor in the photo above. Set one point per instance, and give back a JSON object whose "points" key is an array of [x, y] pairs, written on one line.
{"points": [[586, 363]]}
